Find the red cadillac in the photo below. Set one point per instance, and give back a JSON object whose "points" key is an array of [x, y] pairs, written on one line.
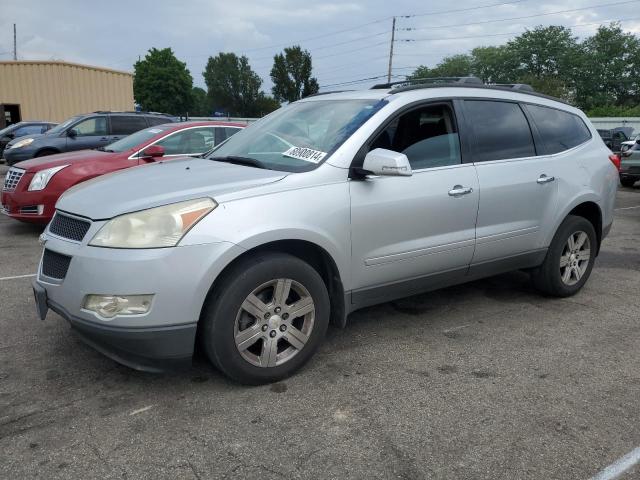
{"points": [[31, 188]]}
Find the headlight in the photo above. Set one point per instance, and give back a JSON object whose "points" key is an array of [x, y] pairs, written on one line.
{"points": [[22, 143], [41, 179], [154, 228]]}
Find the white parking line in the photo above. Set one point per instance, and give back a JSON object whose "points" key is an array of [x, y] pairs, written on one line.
{"points": [[18, 276], [619, 467], [627, 208]]}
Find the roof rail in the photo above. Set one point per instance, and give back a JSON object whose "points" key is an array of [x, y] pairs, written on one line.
{"points": [[133, 111], [514, 86], [327, 93], [430, 81]]}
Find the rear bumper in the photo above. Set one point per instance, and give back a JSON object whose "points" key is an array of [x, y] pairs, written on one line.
{"points": [[155, 349], [629, 175]]}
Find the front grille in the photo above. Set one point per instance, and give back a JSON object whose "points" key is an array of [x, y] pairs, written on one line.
{"points": [[69, 227], [12, 179], [55, 265]]}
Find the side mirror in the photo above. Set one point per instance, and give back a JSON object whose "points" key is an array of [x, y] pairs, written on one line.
{"points": [[151, 152], [72, 133], [386, 163]]}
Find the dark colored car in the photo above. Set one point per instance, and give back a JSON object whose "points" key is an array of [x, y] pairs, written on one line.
{"points": [[22, 129], [32, 188], [91, 130], [630, 165], [614, 137]]}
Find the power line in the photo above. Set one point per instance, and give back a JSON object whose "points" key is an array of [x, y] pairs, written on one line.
{"points": [[517, 18], [461, 9], [622, 20]]}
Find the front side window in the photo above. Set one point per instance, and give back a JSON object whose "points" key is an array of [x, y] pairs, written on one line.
{"points": [[501, 130], [61, 127], [427, 136], [559, 130], [298, 137], [191, 141], [126, 125], [91, 127]]}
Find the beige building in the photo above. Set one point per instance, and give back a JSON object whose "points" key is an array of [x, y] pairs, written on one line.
{"points": [[54, 91]]}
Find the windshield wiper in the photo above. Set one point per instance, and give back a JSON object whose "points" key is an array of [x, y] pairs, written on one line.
{"points": [[249, 162]]}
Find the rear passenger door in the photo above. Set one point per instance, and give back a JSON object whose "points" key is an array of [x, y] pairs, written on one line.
{"points": [[518, 184], [123, 125]]}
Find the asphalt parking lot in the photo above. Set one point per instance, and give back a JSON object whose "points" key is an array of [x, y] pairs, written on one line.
{"points": [[481, 381]]}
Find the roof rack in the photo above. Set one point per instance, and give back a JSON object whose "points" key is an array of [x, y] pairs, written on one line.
{"points": [[133, 111], [430, 81], [327, 93]]}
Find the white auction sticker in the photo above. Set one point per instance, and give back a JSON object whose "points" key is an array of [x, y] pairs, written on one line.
{"points": [[303, 153], [154, 130]]}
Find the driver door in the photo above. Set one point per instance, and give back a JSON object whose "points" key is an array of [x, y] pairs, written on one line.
{"points": [[90, 133], [410, 234]]}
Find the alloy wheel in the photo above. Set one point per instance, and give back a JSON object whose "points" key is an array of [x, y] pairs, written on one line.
{"points": [[575, 258]]}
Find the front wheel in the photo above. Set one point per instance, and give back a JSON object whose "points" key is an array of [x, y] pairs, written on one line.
{"points": [[569, 260], [266, 319]]}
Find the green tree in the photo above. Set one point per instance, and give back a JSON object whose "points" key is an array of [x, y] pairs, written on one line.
{"points": [[233, 87], [162, 83], [454, 66], [291, 75], [493, 64], [609, 71], [199, 103]]}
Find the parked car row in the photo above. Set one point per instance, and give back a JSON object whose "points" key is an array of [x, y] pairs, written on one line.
{"points": [[614, 138], [32, 187], [91, 130]]}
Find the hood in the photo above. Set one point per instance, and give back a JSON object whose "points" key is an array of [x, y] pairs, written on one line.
{"points": [[41, 163], [158, 184]]}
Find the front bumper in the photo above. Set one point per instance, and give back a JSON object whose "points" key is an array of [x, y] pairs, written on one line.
{"points": [[15, 155], [147, 349], [32, 207], [179, 279]]}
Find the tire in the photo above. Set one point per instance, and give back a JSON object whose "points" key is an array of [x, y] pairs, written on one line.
{"points": [[226, 316], [628, 182], [44, 153], [551, 278]]}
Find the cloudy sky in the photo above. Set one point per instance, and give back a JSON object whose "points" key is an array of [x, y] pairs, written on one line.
{"points": [[349, 40]]}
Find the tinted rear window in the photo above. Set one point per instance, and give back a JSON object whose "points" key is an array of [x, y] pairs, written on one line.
{"points": [[126, 125], [501, 130], [559, 130], [158, 120]]}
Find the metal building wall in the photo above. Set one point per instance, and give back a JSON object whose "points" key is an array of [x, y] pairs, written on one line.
{"points": [[57, 90]]}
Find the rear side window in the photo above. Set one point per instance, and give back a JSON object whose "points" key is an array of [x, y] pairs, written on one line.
{"points": [[126, 125], [559, 130], [158, 120], [501, 130]]}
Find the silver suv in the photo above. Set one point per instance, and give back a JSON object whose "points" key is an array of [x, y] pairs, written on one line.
{"points": [[327, 205]]}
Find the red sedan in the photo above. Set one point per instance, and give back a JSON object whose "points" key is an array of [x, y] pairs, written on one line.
{"points": [[31, 188]]}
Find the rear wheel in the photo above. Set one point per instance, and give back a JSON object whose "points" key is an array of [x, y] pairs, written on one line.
{"points": [[266, 319], [569, 260], [627, 182]]}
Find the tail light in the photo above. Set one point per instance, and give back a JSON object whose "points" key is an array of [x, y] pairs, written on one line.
{"points": [[615, 159]]}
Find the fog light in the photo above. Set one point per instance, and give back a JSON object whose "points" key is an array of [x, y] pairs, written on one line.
{"points": [[108, 306]]}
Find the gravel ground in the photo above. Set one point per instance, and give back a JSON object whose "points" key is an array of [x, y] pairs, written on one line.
{"points": [[481, 381]]}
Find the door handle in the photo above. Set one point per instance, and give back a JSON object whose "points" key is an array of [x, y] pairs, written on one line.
{"points": [[459, 190], [544, 179]]}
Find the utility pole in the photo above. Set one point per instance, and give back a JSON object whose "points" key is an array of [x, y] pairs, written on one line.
{"points": [[393, 38], [15, 47]]}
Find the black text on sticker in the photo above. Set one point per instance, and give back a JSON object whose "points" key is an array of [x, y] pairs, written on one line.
{"points": [[303, 153]]}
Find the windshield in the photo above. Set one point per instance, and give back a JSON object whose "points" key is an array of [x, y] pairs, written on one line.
{"points": [[135, 139], [298, 137], [63, 126], [8, 129]]}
